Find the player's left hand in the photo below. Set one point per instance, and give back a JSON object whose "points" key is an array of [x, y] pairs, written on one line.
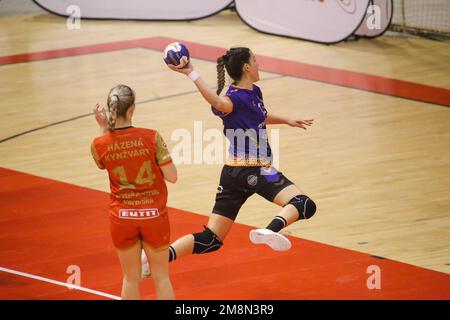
{"points": [[300, 123]]}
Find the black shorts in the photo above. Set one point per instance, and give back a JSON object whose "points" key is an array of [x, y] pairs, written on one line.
{"points": [[237, 184]]}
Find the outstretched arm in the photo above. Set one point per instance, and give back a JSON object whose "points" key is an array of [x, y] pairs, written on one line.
{"points": [[293, 122], [223, 103]]}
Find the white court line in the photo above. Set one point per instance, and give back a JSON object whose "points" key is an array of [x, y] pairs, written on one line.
{"points": [[59, 283]]}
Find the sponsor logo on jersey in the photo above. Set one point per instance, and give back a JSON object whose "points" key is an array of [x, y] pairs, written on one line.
{"points": [[138, 214]]}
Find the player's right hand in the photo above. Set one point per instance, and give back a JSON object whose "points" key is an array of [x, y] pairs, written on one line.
{"points": [[185, 70]]}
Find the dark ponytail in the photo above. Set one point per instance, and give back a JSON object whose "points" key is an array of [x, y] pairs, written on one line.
{"points": [[233, 61], [220, 74]]}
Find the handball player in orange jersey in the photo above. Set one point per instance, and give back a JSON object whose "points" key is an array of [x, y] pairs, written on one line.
{"points": [[138, 162]]}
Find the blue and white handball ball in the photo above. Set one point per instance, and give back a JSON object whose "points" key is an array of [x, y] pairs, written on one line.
{"points": [[176, 54]]}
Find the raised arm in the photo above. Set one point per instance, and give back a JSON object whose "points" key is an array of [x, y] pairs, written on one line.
{"points": [[222, 103], [100, 117]]}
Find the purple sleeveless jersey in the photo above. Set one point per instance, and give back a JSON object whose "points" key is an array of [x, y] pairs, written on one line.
{"points": [[245, 128]]}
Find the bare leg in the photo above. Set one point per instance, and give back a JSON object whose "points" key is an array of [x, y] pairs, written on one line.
{"points": [[159, 268], [130, 261], [218, 224]]}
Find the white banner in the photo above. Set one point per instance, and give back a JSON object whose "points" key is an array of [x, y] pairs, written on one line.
{"points": [[136, 9], [378, 19], [325, 21]]}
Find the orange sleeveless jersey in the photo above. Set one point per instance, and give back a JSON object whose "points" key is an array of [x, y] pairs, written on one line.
{"points": [[132, 157]]}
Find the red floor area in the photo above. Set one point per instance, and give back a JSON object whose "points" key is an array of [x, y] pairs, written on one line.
{"points": [[46, 226]]}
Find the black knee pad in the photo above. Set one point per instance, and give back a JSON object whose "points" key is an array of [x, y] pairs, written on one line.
{"points": [[304, 205], [206, 241]]}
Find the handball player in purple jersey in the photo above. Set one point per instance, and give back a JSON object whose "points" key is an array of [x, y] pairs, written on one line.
{"points": [[248, 170]]}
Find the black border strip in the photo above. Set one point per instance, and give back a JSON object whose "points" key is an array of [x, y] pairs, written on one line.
{"points": [[292, 37]]}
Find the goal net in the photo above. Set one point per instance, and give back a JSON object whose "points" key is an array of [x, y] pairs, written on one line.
{"points": [[422, 17]]}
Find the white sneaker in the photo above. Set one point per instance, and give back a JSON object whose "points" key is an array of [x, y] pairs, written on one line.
{"points": [[275, 240], [145, 268]]}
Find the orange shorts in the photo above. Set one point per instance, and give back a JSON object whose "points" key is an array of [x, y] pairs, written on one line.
{"points": [[155, 233]]}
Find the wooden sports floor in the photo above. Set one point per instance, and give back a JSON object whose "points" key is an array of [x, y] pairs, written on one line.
{"points": [[376, 161]]}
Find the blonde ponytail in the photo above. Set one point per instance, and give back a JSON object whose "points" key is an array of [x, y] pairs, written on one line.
{"points": [[120, 99], [113, 106]]}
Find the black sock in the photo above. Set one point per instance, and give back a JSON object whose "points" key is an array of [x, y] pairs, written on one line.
{"points": [[172, 254], [277, 224]]}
